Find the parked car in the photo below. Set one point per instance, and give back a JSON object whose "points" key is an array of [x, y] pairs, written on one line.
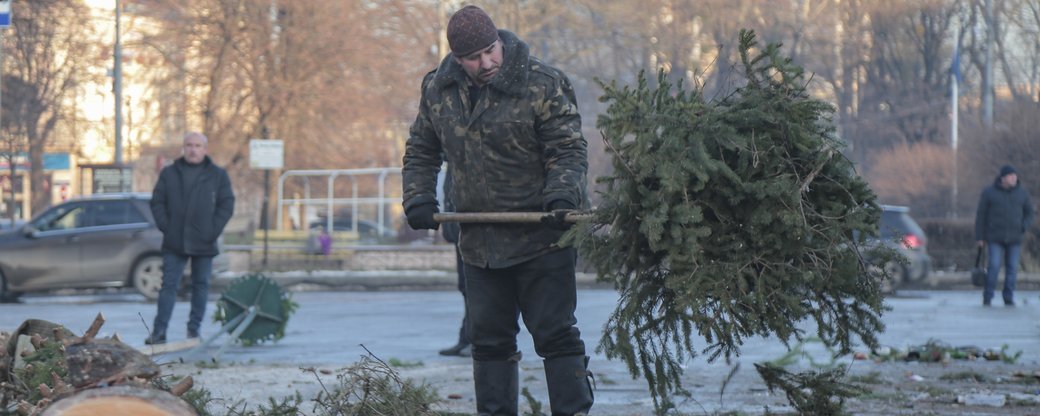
{"points": [[107, 240], [368, 231], [5, 224], [898, 230]]}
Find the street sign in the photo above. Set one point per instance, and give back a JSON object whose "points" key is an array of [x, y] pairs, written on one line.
{"points": [[266, 154], [5, 13], [112, 179]]}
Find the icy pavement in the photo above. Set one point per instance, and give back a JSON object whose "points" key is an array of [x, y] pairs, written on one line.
{"points": [[329, 329]]}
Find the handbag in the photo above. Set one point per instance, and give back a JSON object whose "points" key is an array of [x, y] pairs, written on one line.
{"points": [[978, 274]]}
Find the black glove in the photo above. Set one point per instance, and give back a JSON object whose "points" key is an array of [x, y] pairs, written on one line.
{"points": [[558, 211], [420, 217]]}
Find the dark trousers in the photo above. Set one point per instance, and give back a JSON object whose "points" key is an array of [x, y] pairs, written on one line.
{"points": [[1009, 255], [541, 290], [173, 270]]}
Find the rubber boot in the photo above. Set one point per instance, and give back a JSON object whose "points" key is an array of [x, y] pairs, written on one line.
{"points": [[497, 385], [570, 393], [461, 348]]}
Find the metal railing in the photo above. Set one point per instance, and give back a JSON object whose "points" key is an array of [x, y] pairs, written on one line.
{"points": [[381, 199]]}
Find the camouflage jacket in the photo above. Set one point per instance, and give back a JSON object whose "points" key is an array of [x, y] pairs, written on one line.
{"points": [[519, 149]]}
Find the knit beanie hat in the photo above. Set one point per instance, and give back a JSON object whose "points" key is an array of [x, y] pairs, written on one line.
{"points": [[469, 30], [1007, 170]]}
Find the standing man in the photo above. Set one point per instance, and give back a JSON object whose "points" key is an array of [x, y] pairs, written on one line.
{"points": [[1004, 214], [191, 203], [509, 127]]}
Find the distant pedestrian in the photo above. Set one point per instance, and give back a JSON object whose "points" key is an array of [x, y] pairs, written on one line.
{"points": [[191, 203], [325, 241], [1005, 213]]}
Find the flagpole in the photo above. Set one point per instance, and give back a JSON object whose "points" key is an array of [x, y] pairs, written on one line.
{"points": [[954, 93], [953, 140]]}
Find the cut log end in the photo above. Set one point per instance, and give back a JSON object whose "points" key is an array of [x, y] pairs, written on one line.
{"points": [[120, 401], [115, 406]]}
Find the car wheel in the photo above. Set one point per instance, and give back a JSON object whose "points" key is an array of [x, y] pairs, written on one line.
{"points": [[147, 276], [896, 273], [7, 296], [925, 269]]}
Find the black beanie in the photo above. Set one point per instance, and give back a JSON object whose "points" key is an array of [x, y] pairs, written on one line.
{"points": [[1007, 170], [469, 30]]}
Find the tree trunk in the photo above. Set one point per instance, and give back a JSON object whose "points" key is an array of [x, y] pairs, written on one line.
{"points": [[102, 376], [39, 183], [106, 361], [11, 202]]}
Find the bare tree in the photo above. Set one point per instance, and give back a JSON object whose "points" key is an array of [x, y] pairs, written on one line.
{"points": [[48, 56], [12, 141], [1018, 48], [338, 79]]}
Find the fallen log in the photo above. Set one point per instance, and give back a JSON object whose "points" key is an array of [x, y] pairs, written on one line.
{"points": [[106, 361], [121, 401], [59, 373]]}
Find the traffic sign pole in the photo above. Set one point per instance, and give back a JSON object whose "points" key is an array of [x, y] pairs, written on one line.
{"points": [[267, 155]]}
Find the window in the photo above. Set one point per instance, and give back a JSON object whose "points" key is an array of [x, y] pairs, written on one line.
{"points": [[114, 213], [65, 217]]}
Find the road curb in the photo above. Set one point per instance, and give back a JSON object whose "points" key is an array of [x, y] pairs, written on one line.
{"points": [[370, 279], [447, 280]]}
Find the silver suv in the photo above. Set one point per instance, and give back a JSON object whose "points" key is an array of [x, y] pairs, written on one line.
{"points": [[107, 240], [901, 232]]}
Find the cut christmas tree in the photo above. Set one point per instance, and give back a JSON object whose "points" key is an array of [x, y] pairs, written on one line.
{"points": [[727, 218]]}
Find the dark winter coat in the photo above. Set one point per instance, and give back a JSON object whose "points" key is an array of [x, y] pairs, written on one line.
{"points": [[519, 149], [1003, 215], [191, 225]]}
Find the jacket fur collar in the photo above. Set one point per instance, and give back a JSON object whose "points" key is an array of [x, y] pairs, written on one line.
{"points": [[512, 76], [181, 162]]}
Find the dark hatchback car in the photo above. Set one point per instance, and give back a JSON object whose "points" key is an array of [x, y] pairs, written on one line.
{"points": [[899, 231], [369, 232], [94, 242]]}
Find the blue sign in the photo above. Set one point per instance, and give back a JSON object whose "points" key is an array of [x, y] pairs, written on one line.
{"points": [[51, 162], [56, 161], [5, 13]]}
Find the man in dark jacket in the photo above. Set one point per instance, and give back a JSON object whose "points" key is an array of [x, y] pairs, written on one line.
{"points": [[1004, 214], [509, 128], [191, 203]]}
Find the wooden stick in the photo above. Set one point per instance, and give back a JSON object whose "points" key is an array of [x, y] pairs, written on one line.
{"points": [[185, 384], [173, 346], [37, 340], [504, 217], [94, 327]]}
